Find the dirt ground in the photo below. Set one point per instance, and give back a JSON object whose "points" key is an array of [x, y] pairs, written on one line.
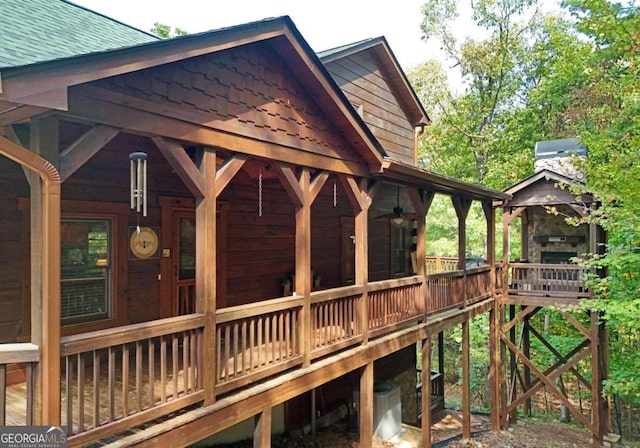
{"points": [[446, 434]]}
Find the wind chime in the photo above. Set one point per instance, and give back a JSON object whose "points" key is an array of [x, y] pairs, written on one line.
{"points": [[139, 184]]}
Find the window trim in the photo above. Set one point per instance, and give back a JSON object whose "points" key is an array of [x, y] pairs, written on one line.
{"points": [[118, 215], [107, 314]]}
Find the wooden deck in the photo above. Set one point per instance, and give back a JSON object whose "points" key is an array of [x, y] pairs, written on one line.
{"points": [[117, 379]]}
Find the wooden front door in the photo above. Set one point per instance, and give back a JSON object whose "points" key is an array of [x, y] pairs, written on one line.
{"points": [[178, 279]]}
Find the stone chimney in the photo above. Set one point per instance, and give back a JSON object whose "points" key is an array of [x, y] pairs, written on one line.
{"points": [[558, 156]]}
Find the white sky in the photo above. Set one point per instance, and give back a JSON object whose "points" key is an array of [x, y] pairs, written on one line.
{"points": [[324, 24]]}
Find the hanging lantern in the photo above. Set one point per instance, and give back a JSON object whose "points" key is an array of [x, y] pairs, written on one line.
{"points": [[139, 181]]}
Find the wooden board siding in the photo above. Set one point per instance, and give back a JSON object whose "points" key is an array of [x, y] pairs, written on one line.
{"points": [[540, 193], [14, 318], [247, 90], [360, 78]]}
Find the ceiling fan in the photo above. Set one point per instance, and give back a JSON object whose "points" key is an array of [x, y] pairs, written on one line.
{"points": [[398, 216]]}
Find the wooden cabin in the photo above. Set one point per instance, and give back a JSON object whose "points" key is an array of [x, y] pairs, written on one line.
{"points": [[263, 263], [546, 275]]}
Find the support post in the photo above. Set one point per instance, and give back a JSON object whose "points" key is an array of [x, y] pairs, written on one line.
{"points": [[303, 262], [206, 270], [421, 201], [462, 206], [513, 367], [597, 419], [425, 422], [262, 429], [366, 406], [494, 366], [466, 384], [361, 197], [526, 349], [45, 272]]}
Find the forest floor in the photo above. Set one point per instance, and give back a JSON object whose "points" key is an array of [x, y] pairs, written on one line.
{"points": [[446, 431]]}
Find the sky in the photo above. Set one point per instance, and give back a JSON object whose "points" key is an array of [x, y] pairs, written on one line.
{"points": [[324, 24]]}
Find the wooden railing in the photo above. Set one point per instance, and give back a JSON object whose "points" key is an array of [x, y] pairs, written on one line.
{"points": [[335, 319], [438, 264], [115, 379], [118, 378], [478, 284], [16, 402], [257, 340], [393, 303], [445, 291], [551, 280]]}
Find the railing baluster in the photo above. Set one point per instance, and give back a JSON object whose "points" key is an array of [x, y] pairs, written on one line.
{"points": [[175, 357], [80, 392], [138, 376], [163, 369], [69, 392], [125, 380], [96, 388]]}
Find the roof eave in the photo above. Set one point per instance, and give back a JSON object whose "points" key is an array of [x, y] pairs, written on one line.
{"points": [[440, 183]]}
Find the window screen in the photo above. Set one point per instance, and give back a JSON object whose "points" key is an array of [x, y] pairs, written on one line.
{"points": [[86, 270]]}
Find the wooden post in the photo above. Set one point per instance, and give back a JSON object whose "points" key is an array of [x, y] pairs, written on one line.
{"points": [[462, 206], [303, 262], [494, 336], [513, 366], [466, 384], [421, 202], [262, 430], [502, 367], [45, 272], [494, 365], [206, 270], [597, 422], [526, 349], [425, 422], [361, 199], [366, 406]]}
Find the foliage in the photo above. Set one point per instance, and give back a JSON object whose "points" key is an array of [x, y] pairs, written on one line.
{"points": [[164, 31], [532, 78]]}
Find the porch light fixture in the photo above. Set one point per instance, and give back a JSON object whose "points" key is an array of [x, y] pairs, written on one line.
{"points": [[139, 181]]}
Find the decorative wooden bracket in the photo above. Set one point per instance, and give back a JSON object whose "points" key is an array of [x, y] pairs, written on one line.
{"points": [[85, 147]]}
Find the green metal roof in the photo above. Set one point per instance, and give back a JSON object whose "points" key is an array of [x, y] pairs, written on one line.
{"points": [[34, 31]]}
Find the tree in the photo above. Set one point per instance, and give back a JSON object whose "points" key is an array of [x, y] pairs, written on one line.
{"points": [[469, 141], [606, 111], [165, 32]]}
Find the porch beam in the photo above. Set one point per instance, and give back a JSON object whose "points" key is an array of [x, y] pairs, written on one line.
{"points": [[91, 104], [86, 146], [184, 167], [206, 261], [228, 170]]}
